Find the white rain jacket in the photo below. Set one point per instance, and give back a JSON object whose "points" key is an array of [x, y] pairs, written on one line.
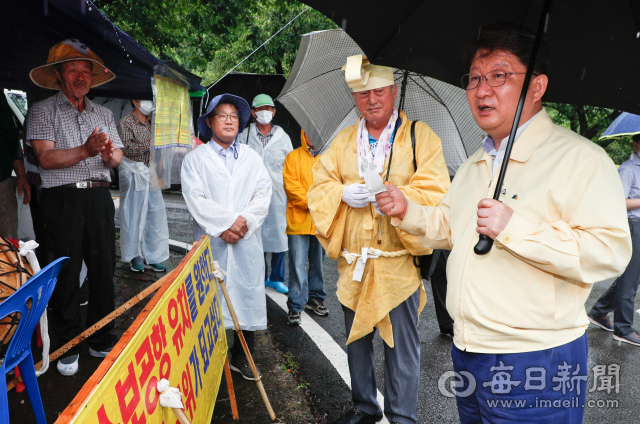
{"points": [[274, 229], [215, 199], [143, 217]]}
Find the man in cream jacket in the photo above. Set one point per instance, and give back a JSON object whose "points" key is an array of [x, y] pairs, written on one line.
{"points": [[559, 227]]}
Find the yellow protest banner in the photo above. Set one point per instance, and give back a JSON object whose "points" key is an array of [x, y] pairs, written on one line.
{"points": [[172, 126], [181, 339]]}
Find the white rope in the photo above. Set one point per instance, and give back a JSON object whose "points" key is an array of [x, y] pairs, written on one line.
{"points": [[27, 250], [250, 54], [169, 396], [370, 253]]}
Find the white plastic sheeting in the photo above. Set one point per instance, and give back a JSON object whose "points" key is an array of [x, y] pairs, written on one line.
{"points": [[143, 217]]}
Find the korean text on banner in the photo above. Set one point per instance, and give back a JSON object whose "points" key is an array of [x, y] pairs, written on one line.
{"points": [[173, 117], [183, 340]]}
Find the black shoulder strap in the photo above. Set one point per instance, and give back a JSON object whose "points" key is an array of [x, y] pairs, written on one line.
{"points": [[413, 145], [393, 137]]}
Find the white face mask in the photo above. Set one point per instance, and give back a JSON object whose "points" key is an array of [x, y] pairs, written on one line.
{"points": [[264, 116], [146, 107]]}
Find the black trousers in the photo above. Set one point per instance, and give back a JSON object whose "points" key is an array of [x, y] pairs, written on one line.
{"points": [[439, 288], [620, 296], [249, 337], [78, 223]]}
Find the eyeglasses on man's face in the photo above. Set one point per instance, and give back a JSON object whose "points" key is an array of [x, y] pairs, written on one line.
{"points": [[494, 79], [224, 116]]}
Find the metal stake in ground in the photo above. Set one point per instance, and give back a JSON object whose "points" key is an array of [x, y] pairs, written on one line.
{"points": [[256, 376]]}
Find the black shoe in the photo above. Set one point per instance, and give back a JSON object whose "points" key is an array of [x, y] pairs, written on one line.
{"points": [[631, 338], [293, 318], [356, 416], [241, 364], [602, 322], [317, 306]]}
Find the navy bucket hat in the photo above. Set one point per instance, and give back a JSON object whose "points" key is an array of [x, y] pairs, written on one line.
{"points": [[244, 113]]}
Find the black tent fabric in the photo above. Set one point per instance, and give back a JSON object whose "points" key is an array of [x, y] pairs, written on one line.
{"points": [[31, 27], [247, 86]]}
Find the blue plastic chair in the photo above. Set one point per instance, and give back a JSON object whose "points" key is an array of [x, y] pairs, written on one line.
{"points": [[38, 289]]}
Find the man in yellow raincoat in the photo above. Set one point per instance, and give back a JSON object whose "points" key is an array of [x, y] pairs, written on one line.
{"points": [[383, 288]]}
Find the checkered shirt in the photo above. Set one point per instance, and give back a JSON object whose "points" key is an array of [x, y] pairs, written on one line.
{"points": [[136, 137], [265, 139], [56, 119]]}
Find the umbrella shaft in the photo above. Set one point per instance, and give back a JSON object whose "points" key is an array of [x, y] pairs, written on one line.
{"points": [[523, 95]]}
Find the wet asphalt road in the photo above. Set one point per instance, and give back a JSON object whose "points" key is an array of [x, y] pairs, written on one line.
{"points": [[329, 396]]}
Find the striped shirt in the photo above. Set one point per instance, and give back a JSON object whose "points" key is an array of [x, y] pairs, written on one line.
{"points": [[136, 137], [265, 139], [56, 119]]}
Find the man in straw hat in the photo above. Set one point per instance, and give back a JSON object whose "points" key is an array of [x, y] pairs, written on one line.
{"points": [[228, 189], [76, 142], [560, 226], [380, 288]]}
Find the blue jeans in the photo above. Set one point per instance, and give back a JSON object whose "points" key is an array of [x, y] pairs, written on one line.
{"points": [[303, 285], [546, 386], [277, 267]]}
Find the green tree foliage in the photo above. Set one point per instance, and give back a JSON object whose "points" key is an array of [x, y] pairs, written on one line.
{"points": [[209, 37], [590, 122]]}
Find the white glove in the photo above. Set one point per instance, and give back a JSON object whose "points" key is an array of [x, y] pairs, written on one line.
{"points": [[357, 195]]}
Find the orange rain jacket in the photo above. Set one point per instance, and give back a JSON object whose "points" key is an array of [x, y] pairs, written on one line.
{"points": [[297, 180]]}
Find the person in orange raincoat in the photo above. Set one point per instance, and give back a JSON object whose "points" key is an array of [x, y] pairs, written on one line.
{"points": [[306, 290]]}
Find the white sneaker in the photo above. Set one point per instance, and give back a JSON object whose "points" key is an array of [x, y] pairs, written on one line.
{"points": [[68, 366], [99, 353]]}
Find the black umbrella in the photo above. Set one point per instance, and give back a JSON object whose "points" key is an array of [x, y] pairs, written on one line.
{"points": [[586, 38], [594, 45]]}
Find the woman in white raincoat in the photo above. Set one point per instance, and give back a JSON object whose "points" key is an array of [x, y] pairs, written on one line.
{"points": [[273, 145], [144, 232], [227, 190]]}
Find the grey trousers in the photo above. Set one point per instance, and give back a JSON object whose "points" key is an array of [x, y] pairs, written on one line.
{"points": [[621, 295], [401, 365], [8, 209]]}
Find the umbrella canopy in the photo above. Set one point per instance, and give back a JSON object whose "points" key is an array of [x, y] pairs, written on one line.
{"points": [[318, 97], [247, 86], [627, 124], [595, 49], [31, 27]]}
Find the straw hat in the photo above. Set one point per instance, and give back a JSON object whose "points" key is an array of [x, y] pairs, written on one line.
{"points": [[361, 75], [68, 51]]}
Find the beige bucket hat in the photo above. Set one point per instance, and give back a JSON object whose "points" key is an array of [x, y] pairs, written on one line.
{"points": [[68, 51]]}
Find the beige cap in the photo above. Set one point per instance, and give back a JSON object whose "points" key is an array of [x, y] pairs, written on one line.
{"points": [[361, 75]]}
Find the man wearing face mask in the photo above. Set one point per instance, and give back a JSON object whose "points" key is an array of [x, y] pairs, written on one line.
{"points": [[620, 296], [273, 144], [143, 216]]}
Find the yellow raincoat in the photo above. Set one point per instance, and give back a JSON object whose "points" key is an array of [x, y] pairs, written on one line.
{"points": [[298, 177], [387, 282]]}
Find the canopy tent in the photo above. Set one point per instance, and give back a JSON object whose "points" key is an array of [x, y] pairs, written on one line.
{"points": [[31, 27]]}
